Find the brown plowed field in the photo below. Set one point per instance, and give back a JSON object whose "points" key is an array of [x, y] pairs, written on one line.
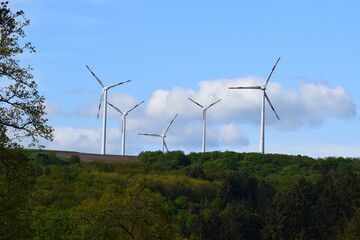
{"points": [[99, 157]]}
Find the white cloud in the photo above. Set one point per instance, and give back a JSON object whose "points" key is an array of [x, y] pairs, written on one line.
{"points": [[85, 140], [322, 101], [310, 105], [169, 103], [76, 139], [232, 136]]}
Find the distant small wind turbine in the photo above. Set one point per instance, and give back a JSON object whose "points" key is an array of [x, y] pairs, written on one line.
{"points": [[204, 119], [124, 114], [103, 98], [263, 89], [163, 135]]}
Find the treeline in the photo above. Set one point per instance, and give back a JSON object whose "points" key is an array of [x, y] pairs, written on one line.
{"points": [[215, 195], [280, 170]]}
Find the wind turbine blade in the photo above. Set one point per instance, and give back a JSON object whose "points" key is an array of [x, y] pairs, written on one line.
{"points": [[114, 85], [272, 107], [148, 134], [101, 99], [213, 103], [251, 87], [272, 70], [134, 107], [165, 146], [169, 125], [98, 79], [117, 109], [196, 103]]}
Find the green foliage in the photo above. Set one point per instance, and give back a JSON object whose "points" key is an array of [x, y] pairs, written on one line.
{"points": [[237, 187], [53, 223], [134, 213], [281, 170], [150, 157], [74, 159], [332, 164], [171, 160], [178, 196], [50, 158], [16, 182], [195, 172], [352, 228], [216, 160], [240, 222], [175, 186]]}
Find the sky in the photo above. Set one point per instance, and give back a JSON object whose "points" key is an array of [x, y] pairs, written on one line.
{"points": [[172, 50]]}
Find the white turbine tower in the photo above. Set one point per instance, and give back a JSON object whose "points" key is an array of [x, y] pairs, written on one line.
{"points": [[124, 114], [204, 120], [103, 98], [163, 135], [264, 95]]}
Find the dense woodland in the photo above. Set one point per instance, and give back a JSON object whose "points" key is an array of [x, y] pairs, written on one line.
{"points": [[215, 195]]}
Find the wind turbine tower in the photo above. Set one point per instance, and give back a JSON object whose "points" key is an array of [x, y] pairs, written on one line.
{"points": [[204, 120], [264, 96], [124, 114], [103, 98], [163, 135]]}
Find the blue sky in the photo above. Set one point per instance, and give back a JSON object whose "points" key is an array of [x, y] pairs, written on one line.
{"points": [[172, 50]]}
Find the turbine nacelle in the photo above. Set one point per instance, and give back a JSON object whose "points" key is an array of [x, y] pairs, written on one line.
{"points": [[103, 98], [204, 119], [264, 97], [163, 135], [124, 114]]}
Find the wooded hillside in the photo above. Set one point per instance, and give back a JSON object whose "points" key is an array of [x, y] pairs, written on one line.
{"points": [[215, 195]]}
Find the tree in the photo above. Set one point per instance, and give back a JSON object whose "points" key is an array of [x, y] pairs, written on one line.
{"points": [[328, 211], [53, 223], [275, 219], [352, 229], [289, 216], [16, 182], [210, 224], [236, 188], [22, 108], [299, 202], [22, 111], [240, 222], [135, 213]]}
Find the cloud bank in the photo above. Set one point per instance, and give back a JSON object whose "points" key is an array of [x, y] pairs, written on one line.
{"points": [[310, 105], [307, 106]]}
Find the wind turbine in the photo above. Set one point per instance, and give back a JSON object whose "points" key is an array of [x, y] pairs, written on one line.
{"points": [[163, 135], [103, 98], [204, 119], [264, 95], [124, 114]]}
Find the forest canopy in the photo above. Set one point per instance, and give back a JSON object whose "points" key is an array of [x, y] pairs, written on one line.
{"points": [[214, 195]]}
